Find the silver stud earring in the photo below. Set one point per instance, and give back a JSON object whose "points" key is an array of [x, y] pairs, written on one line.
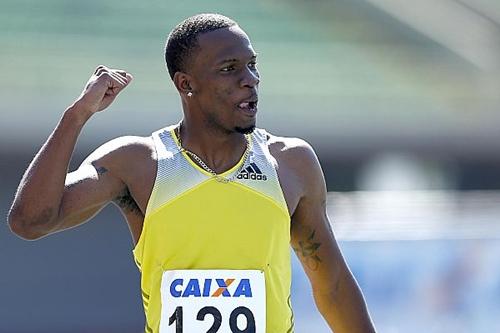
{"points": [[190, 94]]}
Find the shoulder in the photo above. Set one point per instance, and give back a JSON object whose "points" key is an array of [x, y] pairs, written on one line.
{"points": [[131, 159], [124, 148], [294, 152], [297, 161]]}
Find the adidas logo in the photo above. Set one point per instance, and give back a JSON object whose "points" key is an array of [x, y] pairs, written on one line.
{"points": [[252, 172]]}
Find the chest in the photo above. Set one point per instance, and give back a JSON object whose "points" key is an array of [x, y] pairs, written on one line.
{"points": [[148, 171], [141, 184]]}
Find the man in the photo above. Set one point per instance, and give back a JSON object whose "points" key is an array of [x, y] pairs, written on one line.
{"points": [[212, 203]]}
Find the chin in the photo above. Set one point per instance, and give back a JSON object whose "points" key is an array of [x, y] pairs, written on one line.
{"points": [[245, 130]]}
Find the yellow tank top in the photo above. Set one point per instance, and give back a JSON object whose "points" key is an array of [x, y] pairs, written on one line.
{"points": [[194, 222]]}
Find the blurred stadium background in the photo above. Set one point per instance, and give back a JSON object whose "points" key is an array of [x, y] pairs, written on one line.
{"points": [[400, 99]]}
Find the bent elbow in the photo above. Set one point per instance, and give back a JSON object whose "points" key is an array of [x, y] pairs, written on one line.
{"points": [[23, 228]]}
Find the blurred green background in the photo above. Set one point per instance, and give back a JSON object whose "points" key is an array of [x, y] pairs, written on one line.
{"points": [[393, 95], [358, 79]]}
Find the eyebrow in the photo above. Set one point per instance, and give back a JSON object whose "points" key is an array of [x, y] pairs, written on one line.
{"points": [[235, 60]]}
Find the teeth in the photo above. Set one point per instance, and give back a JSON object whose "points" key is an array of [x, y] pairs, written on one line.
{"points": [[244, 105]]}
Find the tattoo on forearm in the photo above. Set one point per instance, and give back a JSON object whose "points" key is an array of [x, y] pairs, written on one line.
{"points": [[127, 203], [308, 249]]}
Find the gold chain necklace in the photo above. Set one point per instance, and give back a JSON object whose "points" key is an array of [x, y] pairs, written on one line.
{"points": [[205, 167]]}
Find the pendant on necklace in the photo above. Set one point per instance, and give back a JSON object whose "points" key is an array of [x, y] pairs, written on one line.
{"points": [[221, 179]]}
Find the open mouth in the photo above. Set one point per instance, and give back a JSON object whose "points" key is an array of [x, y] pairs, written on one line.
{"points": [[250, 106]]}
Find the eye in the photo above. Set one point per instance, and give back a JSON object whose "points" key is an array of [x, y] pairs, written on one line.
{"points": [[227, 69]]}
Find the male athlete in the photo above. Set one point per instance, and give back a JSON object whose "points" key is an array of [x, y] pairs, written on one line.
{"points": [[212, 203]]}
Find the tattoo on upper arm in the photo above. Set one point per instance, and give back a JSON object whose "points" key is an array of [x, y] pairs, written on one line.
{"points": [[126, 202], [70, 186], [308, 249], [101, 170]]}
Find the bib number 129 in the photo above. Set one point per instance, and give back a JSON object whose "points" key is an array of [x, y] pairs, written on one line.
{"points": [[234, 318], [213, 301]]}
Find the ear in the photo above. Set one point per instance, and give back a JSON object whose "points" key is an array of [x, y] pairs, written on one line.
{"points": [[183, 83]]}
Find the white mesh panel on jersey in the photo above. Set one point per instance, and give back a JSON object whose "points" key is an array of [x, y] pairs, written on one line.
{"points": [[261, 163], [176, 175]]}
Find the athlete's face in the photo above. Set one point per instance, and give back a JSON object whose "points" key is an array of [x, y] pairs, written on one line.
{"points": [[226, 79]]}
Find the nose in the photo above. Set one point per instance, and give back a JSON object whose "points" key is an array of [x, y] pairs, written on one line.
{"points": [[251, 78]]}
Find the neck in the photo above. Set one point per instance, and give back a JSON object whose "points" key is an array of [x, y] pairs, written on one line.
{"points": [[218, 149]]}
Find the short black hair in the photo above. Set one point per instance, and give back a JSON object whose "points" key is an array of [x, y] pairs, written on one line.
{"points": [[182, 40]]}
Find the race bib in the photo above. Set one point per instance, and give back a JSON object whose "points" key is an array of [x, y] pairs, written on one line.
{"points": [[199, 301]]}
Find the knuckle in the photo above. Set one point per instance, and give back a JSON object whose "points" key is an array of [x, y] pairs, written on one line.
{"points": [[99, 68], [104, 75], [120, 73]]}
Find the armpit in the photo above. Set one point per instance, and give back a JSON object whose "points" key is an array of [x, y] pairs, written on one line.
{"points": [[127, 203]]}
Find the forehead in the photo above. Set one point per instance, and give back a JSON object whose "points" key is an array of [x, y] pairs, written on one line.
{"points": [[222, 44]]}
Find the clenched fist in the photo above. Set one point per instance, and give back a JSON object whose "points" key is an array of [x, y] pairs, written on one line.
{"points": [[102, 88]]}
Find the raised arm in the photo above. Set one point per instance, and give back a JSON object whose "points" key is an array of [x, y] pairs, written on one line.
{"points": [[48, 199], [335, 290]]}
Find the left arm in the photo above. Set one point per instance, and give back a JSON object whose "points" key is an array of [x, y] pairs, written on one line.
{"points": [[336, 293]]}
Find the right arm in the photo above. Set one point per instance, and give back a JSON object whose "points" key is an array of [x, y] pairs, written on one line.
{"points": [[49, 199]]}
